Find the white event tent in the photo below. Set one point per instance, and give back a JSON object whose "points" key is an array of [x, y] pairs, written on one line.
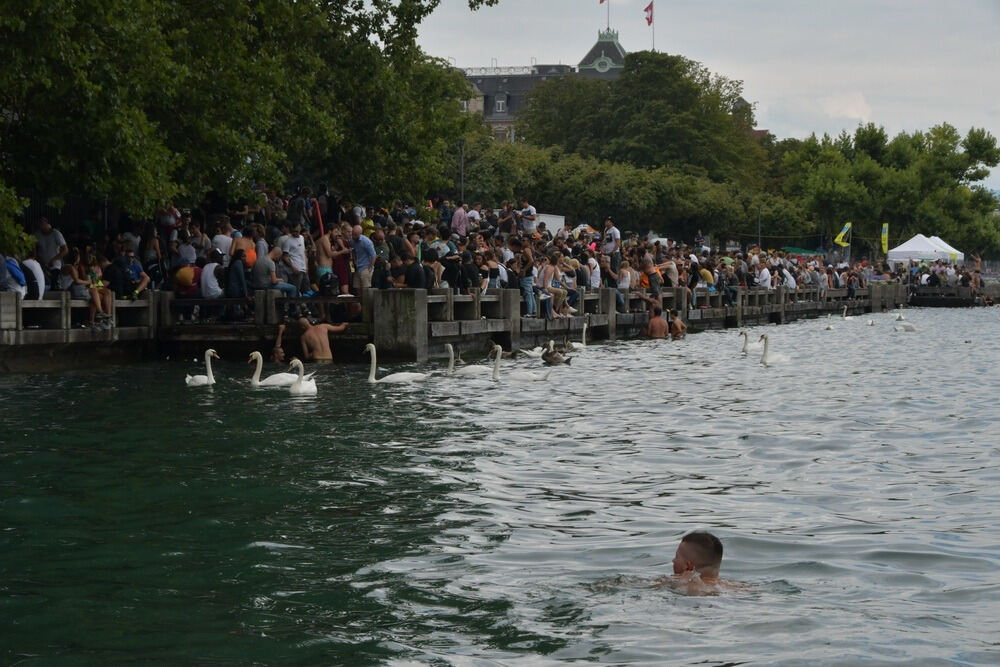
{"points": [[922, 248]]}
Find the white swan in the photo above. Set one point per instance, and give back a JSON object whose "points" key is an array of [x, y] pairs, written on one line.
{"points": [[301, 386], [533, 353], [906, 326], [747, 345], [764, 358], [473, 370], [871, 323], [275, 380], [203, 380], [829, 327], [524, 376], [464, 371], [583, 340], [846, 316], [395, 378]]}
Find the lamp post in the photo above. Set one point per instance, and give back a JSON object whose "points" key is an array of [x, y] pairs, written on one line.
{"points": [[758, 225]]}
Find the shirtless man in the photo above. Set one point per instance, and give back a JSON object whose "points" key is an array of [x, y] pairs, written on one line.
{"points": [[324, 253], [677, 327], [657, 326], [315, 339], [696, 566]]}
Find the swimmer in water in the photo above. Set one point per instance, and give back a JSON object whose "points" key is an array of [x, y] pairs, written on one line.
{"points": [[696, 566]]}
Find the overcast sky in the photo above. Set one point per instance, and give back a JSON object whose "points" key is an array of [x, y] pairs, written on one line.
{"points": [[809, 65]]}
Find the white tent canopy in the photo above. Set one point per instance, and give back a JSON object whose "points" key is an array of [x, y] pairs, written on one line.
{"points": [[954, 255], [922, 248]]}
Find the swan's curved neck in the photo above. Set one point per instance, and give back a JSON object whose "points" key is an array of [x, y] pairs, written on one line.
{"points": [[451, 360], [256, 373], [298, 380], [746, 341], [496, 365], [583, 335], [371, 369], [208, 367], [763, 357]]}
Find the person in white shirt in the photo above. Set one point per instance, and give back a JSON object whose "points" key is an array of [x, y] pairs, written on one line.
{"points": [[612, 243], [528, 217], [764, 277], [51, 246], [32, 265], [595, 273], [295, 245], [210, 288], [223, 241]]}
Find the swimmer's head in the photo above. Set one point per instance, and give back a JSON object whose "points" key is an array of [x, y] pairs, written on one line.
{"points": [[701, 552]]}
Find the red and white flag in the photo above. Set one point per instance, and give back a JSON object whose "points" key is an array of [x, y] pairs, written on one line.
{"points": [[649, 13]]}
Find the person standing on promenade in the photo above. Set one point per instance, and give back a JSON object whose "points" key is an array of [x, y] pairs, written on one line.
{"points": [[51, 249], [364, 258]]}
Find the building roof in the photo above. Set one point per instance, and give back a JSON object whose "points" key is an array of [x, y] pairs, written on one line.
{"points": [[605, 58]]}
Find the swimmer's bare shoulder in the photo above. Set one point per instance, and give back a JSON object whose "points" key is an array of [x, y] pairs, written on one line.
{"points": [[686, 584]]}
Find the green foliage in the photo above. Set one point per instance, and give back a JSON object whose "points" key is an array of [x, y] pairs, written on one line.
{"points": [[664, 110], [143, 101], [13, 239], [921, 182]]}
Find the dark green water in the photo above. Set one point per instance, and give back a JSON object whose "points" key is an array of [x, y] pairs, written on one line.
{"points": [[467, 522]]}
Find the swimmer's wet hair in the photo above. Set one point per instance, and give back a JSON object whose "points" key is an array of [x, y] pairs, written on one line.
{"points": [[707, 547]]}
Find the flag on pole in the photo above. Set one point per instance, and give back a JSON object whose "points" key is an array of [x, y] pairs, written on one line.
{"points": [[649, 13], [885, 237], [840, 237]]}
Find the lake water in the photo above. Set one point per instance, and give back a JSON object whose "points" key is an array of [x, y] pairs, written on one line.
{"points": [[854, 485]]}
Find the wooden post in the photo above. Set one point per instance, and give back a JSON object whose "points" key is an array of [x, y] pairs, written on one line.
{"points": [[399, 327]]}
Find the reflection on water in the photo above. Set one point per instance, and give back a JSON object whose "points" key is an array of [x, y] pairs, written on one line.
{"points": [[852, 484]]}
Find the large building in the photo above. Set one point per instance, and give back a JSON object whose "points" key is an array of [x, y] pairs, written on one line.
{"points": [[500, 93]]}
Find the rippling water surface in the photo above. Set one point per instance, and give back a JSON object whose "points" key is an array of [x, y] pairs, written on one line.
{"points": [[854, 484]]}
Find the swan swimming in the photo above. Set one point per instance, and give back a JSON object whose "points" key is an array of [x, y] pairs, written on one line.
{"points": [[768, 358], [846, 316], [464, 371], [747, 345], [906, 326], [395, 378], [275, 380], [525, 376], [553, 358], [582, 345], [534, 353], [302, 386], [871, 323], [203, 380]]}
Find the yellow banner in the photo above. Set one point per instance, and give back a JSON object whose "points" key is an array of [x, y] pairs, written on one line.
{"points": [[885, 237], [843, 232]]}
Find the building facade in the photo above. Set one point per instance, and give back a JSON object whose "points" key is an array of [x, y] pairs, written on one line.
{"points": [[501, 93]]}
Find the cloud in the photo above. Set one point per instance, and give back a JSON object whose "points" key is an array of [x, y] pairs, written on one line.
{"points": [[852, 106]]}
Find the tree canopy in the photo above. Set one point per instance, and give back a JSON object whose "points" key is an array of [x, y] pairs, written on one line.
{"points": [[143, 101]]}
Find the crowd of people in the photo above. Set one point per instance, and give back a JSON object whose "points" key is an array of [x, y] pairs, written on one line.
{"points": [[309, 244]]}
